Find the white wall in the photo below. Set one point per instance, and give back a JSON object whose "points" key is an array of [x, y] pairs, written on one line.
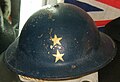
{"points": [[28, 7]]}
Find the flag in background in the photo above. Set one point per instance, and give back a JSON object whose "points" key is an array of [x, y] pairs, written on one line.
{"points": [[102, 11]]}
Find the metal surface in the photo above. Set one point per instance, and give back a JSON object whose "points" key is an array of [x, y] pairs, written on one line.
{"points": [[59, 42]]}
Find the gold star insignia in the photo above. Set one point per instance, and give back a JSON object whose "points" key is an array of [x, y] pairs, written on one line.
{"points": [[58, 56], [56, 40]]}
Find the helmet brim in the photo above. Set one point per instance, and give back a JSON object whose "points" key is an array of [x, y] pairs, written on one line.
{"points": [[95, 61]]}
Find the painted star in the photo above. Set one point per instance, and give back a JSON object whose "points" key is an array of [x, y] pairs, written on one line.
{"points": [[58, 56], [56, 40]]}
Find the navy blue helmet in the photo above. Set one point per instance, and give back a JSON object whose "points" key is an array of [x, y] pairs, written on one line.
{"points": [[59, 42]]}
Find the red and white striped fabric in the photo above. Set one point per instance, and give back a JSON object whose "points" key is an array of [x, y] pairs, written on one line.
{"points": [[102, 11]]}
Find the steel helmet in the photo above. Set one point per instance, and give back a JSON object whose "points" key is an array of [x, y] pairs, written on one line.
{"points": [[59, 42]]}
